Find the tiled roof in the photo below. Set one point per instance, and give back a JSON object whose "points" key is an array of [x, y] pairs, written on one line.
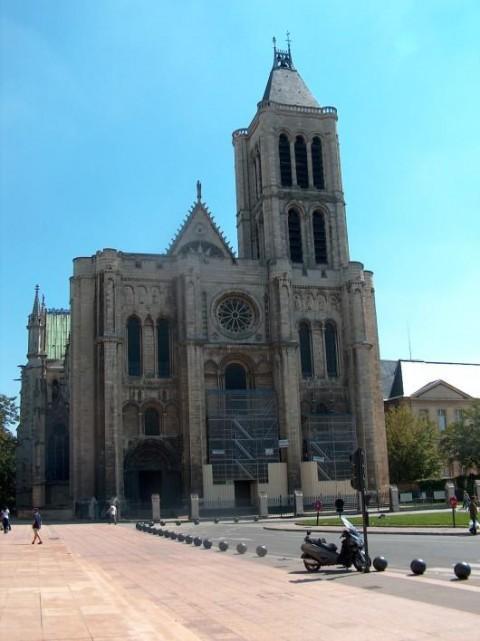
{"points": [[57, 333]]}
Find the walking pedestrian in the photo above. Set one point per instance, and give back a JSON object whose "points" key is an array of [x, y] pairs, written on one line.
{"points": [[466, 500], [6, 520], [37, 524], [112, 514], [473, 509]]}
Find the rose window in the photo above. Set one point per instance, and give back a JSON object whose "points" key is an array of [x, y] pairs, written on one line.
{"points": [[235, 315]]}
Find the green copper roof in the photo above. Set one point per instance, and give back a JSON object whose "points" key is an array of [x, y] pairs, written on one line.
{"points": [[57, 333]]}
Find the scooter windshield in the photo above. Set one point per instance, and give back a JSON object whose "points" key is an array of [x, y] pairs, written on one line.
{"points": [[351, 528]]}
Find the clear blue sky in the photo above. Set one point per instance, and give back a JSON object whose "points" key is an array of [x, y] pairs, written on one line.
{"points": [[111, 110]]}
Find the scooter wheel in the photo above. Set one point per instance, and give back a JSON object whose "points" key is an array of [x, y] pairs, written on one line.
{"points": [[311, 565], [361, 561]]}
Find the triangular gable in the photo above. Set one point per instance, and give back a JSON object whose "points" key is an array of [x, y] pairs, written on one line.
{"points": [[437, 390], [200, 235]]}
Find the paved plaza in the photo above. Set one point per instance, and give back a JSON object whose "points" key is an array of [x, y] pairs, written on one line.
{"points": [[99, 582]]}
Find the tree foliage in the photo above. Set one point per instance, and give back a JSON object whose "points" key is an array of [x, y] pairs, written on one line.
{"points": [[8, 442], [461, 440], [412, 446]]}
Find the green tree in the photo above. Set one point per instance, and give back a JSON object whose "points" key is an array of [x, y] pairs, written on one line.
{"points": [[8, 442], [412, 446], [461, 440]]}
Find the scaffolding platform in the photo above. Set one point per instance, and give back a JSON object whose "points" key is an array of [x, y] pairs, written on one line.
{"points": [[329, 440], [242, 434]]}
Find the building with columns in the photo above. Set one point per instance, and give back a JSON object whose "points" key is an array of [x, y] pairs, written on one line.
{"points": [[201, 371]]}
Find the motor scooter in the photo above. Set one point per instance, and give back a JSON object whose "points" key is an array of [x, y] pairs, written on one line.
{"points": [[317, 552]]}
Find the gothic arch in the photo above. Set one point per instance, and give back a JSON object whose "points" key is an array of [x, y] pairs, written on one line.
{"points": [[305, 348], [134, 345], [331, 348]]}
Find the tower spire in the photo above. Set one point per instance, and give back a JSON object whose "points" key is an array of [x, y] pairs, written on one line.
{"points": [[36, 303]]}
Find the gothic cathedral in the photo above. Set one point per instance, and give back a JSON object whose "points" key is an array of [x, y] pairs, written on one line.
{"points": [[199, 371]]}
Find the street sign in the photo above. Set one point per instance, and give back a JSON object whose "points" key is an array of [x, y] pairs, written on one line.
{"points": [[319, 459], [453, 501], [318, 506], [283, 443], [218, 452]]}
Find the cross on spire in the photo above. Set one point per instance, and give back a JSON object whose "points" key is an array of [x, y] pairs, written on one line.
{"points": [[283, 58]]}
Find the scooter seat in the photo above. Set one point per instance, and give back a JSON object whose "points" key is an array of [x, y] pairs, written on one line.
{"points": [[331, 546]]}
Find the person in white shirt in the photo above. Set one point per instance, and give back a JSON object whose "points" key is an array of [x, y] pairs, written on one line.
{"points": [[112, 514]]}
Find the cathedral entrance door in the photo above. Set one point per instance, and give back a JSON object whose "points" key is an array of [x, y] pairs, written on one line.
{"points": [[243, 494], [152, 466]]}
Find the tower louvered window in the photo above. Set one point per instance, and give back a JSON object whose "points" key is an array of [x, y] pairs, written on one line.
{"points": [[285, 161], [295, 236], [319, 238], [317, 163], [301, 162], [163, 348], [331, 352], [134, 346], [305, 350]]}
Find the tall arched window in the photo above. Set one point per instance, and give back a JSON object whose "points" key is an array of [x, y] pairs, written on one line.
{"points": [[285, 161], [301, 162], [305, 340], [134, 346], [163, 348], [235, 377], [331, 352], [317, 163], [151, 422], [319, 237], [295, 236], [58, 454]]}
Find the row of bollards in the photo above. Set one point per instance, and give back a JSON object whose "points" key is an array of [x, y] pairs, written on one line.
{"points": [[223, 545], [461, 569]]}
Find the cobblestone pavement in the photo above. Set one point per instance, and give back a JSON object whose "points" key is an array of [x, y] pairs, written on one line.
{"points": [[106, 583]]}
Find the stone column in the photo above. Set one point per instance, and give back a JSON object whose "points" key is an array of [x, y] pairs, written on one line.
{"points": [[156, 508], [477, 489], [298, 503], [449, 491], [263, 504], [394, 499], [194, 507]]}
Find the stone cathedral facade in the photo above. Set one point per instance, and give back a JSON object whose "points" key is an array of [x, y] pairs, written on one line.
{"points": [[199, 371]]}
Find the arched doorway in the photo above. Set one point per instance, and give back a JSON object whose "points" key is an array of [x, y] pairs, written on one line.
{"points": [[153, 467]]}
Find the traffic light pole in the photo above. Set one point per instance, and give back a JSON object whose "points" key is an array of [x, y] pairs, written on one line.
{"points": [[365, 523]]}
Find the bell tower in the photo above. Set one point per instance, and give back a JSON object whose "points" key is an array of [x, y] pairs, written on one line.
{"points": [[289, 190]]}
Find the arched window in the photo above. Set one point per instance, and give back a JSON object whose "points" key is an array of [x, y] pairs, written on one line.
{"points": [[331, 349], [163, 348], [285, 161], [151, 422], [295, 236], [319, 237], [317, 163], [305, 339], [134, 346], [301, 162], [235, 377], [58, 454]]}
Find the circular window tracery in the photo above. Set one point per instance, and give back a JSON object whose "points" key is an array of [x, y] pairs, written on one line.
{"points": [[235, 315]]}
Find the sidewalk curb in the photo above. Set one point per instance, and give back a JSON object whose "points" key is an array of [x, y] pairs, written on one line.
{"points": [[371, 530]]}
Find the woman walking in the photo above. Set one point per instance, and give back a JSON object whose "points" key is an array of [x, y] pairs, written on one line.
{"points": [[37, 524]]}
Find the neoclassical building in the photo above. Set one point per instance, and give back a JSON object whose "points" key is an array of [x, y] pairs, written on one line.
{"points": [[201, 371]]}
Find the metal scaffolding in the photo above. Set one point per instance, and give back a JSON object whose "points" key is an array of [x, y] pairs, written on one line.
{"points": [[242, 434], [329, 440]]}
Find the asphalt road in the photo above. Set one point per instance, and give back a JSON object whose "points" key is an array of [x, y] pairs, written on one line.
{"points": [[438, 585]]}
